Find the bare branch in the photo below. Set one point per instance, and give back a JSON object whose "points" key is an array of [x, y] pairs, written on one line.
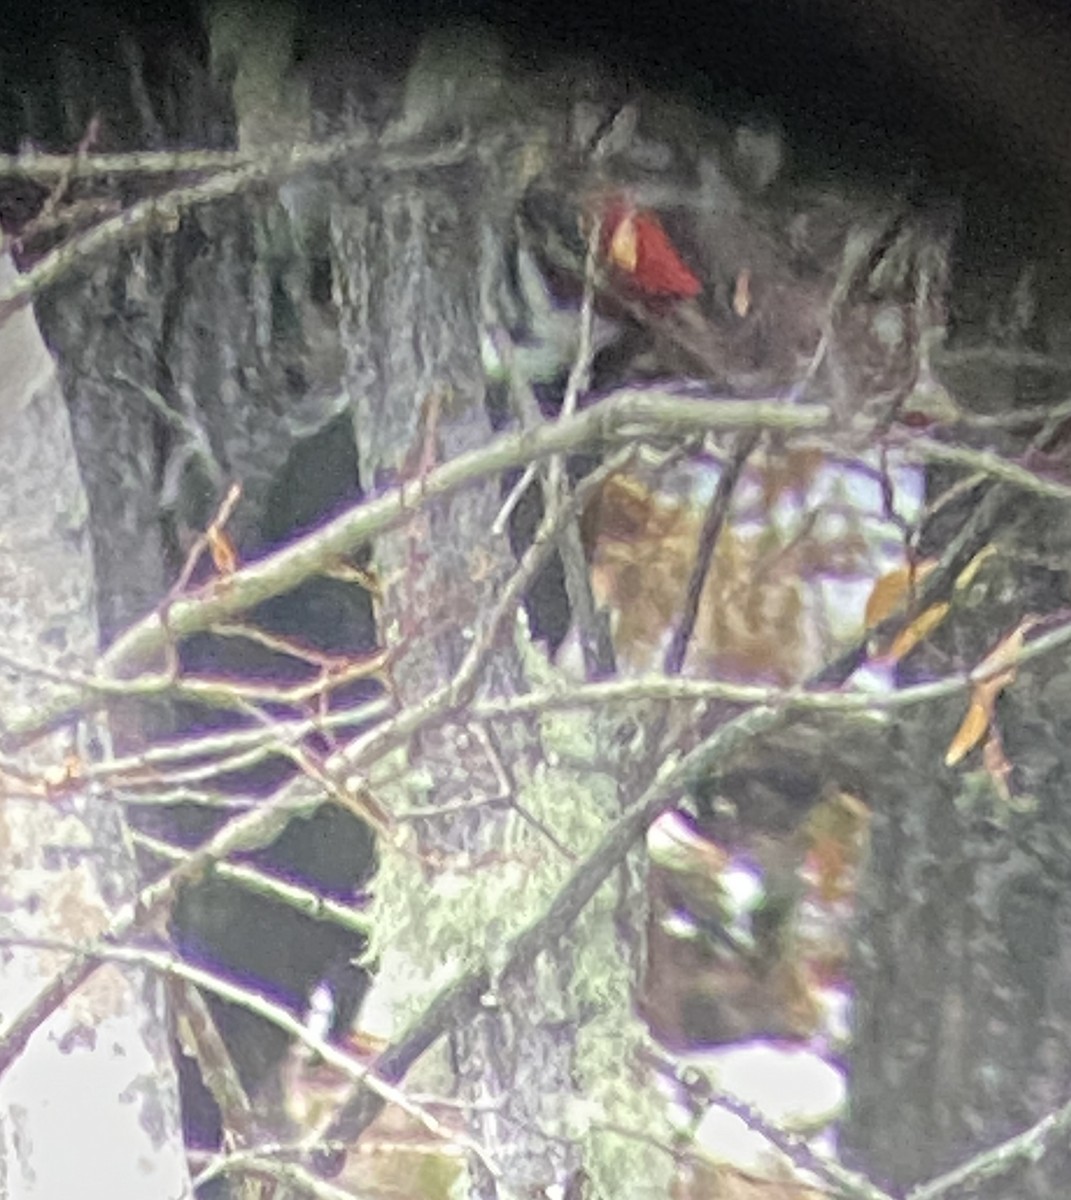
{"points": [[713, 523], [620, 417], [201, 1040], [1028, 1146], [984, 461], [165, 211], [474, 990], [173, 967], [303, 900], [260, 1162]]}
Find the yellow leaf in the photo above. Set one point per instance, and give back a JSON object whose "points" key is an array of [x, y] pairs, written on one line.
{"points": [[891, 591], [966, 577], [220, 546], [990, 678], [917, 631], [624, 245], [970, 733]]}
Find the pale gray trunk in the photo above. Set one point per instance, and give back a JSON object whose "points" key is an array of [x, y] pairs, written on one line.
{"points": [[94, 1096]]}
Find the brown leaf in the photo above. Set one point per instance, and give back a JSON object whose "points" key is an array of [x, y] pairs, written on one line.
{"points": [[991, 677], [997, 766], [224, 555], [915, 632], [971, 730], [891, 591]]}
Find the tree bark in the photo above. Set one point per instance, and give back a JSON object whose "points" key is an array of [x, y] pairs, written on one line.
{"points": [[94, 1095], [232, 348], [962, 970], [411, 260]]}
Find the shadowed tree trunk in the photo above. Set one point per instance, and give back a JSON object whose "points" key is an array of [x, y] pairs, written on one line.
{"points": [[964, 982]]}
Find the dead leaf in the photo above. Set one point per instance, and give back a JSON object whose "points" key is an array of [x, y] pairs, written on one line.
{"points": [[742, 294], [990, 678], [221, 548], [916, 632], [892, 590], [972, 728]]}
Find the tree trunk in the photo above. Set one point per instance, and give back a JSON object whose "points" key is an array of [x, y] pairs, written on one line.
{"points": [[964, 1004], [94, 1095], [273, 319], [416, 262]]}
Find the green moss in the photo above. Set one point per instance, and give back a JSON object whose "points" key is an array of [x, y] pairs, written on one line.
{"points": [[464, 913]]}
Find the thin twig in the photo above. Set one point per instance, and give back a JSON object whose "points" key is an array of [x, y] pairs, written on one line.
{"points": [[800, 699], [255, 829], [516, 494], [454, 696], [306, 901], [172, 966], [625, 414], [592, 627], [145, 767], [1028, 1146], [259, 1162], [699, 1093], [796, 1149], [200, 1039], [621, 417], [713, 523], [143, 162], [985, 461], [474, 990], [166, 211]]}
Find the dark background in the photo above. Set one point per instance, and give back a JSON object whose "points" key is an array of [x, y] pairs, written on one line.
{"points": [[799, 59], [972, 95]]}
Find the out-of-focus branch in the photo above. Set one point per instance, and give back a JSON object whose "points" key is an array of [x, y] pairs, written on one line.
{"points": [[473, 990], [303, 900], [258, 828], [623, 416], [165, 211], [173, 967], [1027, 1146]]}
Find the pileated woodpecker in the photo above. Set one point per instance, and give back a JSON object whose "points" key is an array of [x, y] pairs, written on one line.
{"points": [[703, 272], [716, 273]]}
